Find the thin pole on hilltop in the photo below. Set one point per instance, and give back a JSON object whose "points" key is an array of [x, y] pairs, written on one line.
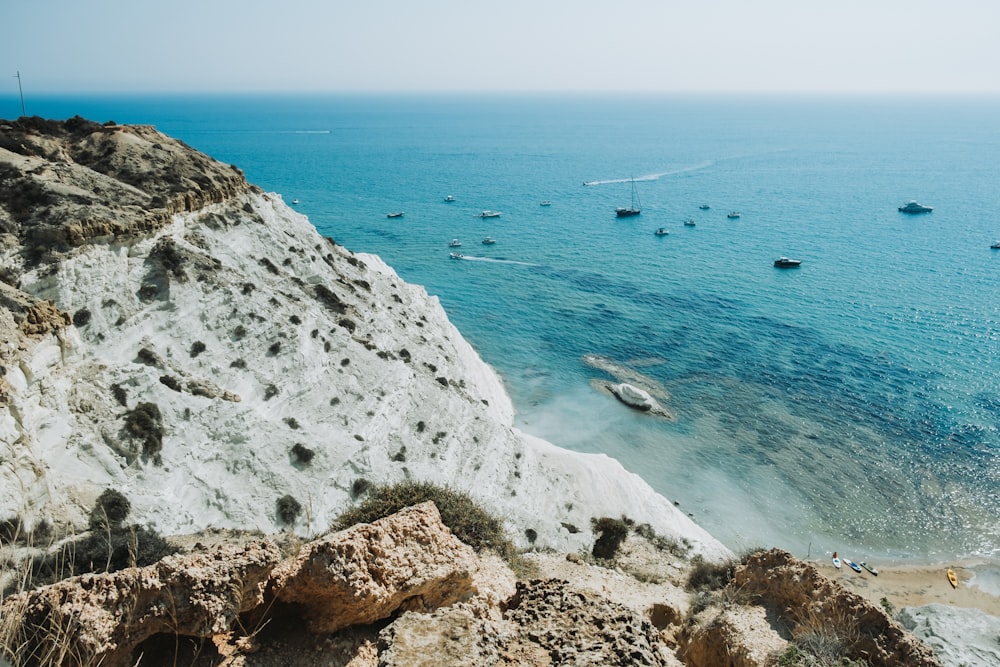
{"points": [[21, 91]]}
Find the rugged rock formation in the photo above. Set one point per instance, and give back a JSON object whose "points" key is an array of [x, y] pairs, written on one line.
{"points": [[100, 619], [412, 562], [798, 603], [403, 591]]}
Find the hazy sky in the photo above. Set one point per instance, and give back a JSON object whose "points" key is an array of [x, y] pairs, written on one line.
{"points": [[501, 45]]}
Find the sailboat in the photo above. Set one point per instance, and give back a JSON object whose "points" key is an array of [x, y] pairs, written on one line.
{"points": [[631, 210]]}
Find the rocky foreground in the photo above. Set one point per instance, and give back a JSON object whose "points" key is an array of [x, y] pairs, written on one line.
{"points": [[405, 591]]}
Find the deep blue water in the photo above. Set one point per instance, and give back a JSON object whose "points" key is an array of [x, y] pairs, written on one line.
{"points": [[851, 404]]}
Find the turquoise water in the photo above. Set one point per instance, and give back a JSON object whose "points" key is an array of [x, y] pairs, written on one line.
{"points": [[852, 404]]}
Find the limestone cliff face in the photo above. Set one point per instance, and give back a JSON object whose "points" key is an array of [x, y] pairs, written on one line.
{"points": [[181, 336]]}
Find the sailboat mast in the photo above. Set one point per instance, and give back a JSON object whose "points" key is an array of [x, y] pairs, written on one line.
{"points": [[21, 91]]}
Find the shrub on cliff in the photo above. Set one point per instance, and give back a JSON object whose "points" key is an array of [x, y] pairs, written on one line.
{"points": [[610, 535], [467, 520], [145, 423], [110, 510], [289, 509]]}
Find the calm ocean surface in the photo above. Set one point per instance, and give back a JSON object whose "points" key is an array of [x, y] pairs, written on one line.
{"points": [[851, 404]]}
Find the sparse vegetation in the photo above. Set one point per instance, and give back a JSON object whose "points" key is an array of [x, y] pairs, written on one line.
{"points": [[292, 423], [302, 454], [359, 487], [467, 520], [120, 394], [145, 423], [81, 317], [289, 509], [274, 349], [170, 381], [400, 456], [710, 575], [110, 510], [238, 363], [610, 535], [197, 348], [240, 332], [270, 391]]}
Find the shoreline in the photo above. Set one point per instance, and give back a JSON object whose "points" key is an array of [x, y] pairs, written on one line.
{"points": [[910, 585]]}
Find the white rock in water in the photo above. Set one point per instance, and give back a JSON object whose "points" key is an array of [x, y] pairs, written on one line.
{"points": [[633, 396]]}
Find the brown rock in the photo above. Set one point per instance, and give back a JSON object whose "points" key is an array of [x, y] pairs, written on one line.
{"points": [[781, 582], [408, 561], [102, 618]]}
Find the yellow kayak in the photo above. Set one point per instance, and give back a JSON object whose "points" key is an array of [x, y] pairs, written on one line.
{"points": [[952, 578]]}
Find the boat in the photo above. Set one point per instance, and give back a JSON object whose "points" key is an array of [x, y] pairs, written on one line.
{"points": [[996, 245], [787, 263], [704, 207], [733, 215], [398, 214], [661, 232], [631, 210], [851, 564], [914, 207], [490, 214], [546, 203], [836, 560], [295, 201], [489, 240], [456, 255], [869, 568], [689, 223], [455, 243], [952, 578], [449, 198]]}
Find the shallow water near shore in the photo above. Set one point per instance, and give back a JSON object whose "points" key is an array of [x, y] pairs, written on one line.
{"points": [[851, 404]]}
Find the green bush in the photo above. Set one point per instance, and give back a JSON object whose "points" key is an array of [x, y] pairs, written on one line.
{"points": [[710, 576], [302, 454], [110, 510], [610, 535], [289, 509], [146, 423], [101, 551], [467, 520]]}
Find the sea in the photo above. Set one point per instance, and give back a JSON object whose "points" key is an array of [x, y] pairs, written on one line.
{"points": [[851, 404]]}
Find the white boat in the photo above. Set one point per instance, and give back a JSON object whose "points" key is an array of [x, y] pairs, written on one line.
{"points": [[661, 232], [689, 223], [786, 263], [732, 215], [996, 245], [397, 214], [455, 243], [546, 203], [634, 209], [489, 240], [704, 207], [490, 214], [449, 198], [295, 201], [914, 207], [456, 255]]}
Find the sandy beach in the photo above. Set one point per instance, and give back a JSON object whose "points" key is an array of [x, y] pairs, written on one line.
{"points": [[916, 585]]}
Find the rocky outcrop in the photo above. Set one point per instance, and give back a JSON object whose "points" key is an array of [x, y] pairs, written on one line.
{"points": [[100, 619], [370, 571], [404, 592], [64, 184], [795, 603]]}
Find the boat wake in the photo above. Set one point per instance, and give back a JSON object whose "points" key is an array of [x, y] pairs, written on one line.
{"points": [[654, 177], [496, 261]]}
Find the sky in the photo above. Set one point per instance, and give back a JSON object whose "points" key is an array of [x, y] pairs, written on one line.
{"points": [[885, 46]]}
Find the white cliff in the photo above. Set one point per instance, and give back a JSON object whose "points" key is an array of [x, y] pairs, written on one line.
{"points": [[252, 334]]}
